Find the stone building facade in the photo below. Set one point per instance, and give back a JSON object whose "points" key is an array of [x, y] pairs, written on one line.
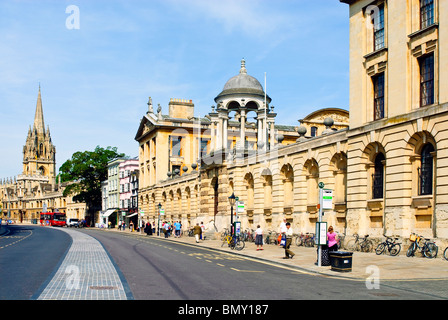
{"points": [[24, 197], [191, 166], [387, 165]]}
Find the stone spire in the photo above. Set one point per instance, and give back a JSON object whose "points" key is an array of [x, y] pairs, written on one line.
{"points": [[39, 125]]}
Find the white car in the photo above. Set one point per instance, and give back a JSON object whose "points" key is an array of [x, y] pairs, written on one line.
{"points": [[72, 222]]}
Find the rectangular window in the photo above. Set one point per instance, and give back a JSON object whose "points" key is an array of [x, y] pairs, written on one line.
{"points": [[426, 80], [203, 147], [378, 94], [378, 29], [176, 146], [426, 13]]}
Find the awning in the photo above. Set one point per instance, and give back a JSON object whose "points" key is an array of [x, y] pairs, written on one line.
{"points": [[132, 215], [108, 213]]}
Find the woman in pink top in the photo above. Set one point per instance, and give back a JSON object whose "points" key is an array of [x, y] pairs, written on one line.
{"points": [[332, 240]]}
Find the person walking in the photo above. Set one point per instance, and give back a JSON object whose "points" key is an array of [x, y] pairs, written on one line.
{"points": [[259, 238], [197, 231], [148, 229], [288, 233], [202, 231]]}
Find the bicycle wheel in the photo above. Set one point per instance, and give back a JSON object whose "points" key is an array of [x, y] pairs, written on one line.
{"points": [[239, 244], [351, 245], [298, 241], [430, 250], [309, 242], [395, 249], [380, 249], [368, 246], [445, 254], [411, 250]]}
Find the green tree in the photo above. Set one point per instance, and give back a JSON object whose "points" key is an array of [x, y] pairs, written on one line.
{"points": [[86, 170]]}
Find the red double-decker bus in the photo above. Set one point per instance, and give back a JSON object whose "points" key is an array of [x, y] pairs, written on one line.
{"points": [[54, 219]]}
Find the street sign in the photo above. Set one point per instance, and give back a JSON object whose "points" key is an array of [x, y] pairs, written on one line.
{"points": [[321, 185], [162, 212], [321, 233], [327, 199], [240, 207]]}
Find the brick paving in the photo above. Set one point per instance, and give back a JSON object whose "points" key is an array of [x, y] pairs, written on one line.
{"points": [[86, 273]]}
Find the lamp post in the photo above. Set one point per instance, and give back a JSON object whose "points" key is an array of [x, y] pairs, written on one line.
{"points": [[232, 200], [158, 220]]}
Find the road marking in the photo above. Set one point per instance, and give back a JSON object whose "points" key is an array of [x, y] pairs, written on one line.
{"points": [[247, 270], [21, 238]]}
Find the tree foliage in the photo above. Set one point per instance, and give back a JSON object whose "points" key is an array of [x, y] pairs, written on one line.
{"points": [[86, 170]]}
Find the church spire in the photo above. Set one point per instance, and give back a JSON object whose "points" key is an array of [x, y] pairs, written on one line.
{"points": [[39, 125]]}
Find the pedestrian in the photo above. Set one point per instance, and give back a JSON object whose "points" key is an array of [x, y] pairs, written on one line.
{"points": [[202, 231], [148, 229], [259, 238], [177, 227], [332, 239], [288, 233], [197, 231], [167, 229], [131, 226]]}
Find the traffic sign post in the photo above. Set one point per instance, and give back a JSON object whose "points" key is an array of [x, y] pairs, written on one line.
{"points": [[325, 202]]}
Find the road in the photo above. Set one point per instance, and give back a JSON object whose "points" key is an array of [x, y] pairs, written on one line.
{"points": [[161, 270], [28, 257], [157, 270]]}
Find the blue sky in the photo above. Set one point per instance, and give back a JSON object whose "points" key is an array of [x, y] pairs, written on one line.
{"points": [[96, 80]]}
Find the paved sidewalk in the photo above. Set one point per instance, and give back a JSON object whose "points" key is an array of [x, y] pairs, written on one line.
{"points": [[399, 268], [87, 273]]}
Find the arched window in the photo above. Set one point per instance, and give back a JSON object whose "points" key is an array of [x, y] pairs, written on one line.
{"points": [[378, 177], [425, 172]]}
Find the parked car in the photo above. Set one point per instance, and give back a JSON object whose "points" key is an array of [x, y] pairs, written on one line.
{"points": [[72, 222]]}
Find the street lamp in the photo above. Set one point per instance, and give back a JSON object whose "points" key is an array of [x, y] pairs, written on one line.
{"points": [[158, 220], [232, 200]]}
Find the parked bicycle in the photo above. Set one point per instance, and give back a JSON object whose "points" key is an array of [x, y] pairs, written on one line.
{"points": [[389, 245], [360, 244], [427, 247], [271, 238], [233, 242]]}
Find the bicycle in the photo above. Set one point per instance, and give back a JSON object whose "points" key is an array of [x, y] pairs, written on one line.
{"points": [[391, 245], [234, 242], [224, 233], [363, 245], [427, 248], [271, 238], [309, 240], [445, 254]]}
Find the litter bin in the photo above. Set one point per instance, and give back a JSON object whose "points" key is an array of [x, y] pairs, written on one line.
{"points": [[341, 261]]}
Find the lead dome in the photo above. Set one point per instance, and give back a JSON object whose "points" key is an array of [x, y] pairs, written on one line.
{"points": [[242, 84]]}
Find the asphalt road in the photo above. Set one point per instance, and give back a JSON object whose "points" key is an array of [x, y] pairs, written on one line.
{"points": [[156, 269], [29, 255], [160, 270]]}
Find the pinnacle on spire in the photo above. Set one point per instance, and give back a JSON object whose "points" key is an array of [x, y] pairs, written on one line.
{"points": [[243, 66], [39, 125]]}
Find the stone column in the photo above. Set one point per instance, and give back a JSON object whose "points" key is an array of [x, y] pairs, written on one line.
{"points": [[243, 129]]}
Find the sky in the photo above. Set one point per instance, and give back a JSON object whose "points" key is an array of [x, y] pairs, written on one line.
{"points": [[98, 61]]}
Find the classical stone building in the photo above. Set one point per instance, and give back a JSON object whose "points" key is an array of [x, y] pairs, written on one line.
{"points": [[191, 166], [24, 197], [387, 165], [397, 168]]}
